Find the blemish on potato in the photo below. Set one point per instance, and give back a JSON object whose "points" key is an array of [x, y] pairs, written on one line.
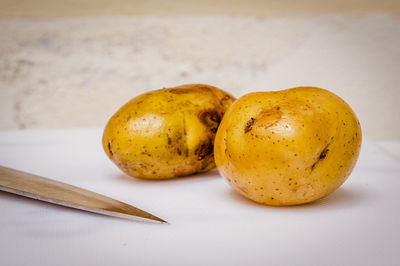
{"points": [[211, 118], [321, 156], [203, 150], [249, 125], [109, 149]]}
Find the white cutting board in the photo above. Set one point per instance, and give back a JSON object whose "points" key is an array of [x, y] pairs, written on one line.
{"points": [[210, 224]]}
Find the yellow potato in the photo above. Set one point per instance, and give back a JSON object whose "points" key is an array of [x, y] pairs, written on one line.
{"points": [[288, 147], [166, 133]]}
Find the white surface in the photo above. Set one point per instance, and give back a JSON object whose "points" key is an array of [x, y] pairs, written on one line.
{"points": [[76, 72], [209, 223], [393, 147]]}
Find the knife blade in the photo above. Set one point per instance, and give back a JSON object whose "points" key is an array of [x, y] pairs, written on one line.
{"points": [[49, 190]]}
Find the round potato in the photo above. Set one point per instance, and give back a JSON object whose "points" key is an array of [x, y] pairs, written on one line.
{"points": [[167, 133], [287, 147]]}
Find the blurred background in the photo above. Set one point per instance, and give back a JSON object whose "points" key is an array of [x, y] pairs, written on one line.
{"points": [[73, 63]]}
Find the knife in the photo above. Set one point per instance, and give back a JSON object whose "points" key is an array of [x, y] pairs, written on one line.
{"points": [[40, 188]]}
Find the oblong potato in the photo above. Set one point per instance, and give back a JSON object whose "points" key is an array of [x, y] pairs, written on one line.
{"points": [[168, 132]]}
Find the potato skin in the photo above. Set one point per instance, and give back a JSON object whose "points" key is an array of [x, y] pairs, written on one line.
{"points": [[287, 147], [166, 133]]}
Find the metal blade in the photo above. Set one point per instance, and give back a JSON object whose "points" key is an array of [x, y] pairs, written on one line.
{"points": [[56, 192]]}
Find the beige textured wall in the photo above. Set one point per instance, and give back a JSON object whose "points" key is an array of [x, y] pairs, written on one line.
{"points": [[51, 8], [73, 63]]}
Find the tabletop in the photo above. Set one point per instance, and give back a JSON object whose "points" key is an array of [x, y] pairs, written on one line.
{"points": [[209, 223]]}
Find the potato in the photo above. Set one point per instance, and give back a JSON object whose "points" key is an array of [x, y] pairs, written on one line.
{"points": [[166, 133], [287, 147]]}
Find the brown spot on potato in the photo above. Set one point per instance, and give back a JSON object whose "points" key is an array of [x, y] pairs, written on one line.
{"points": [[190, 88], [110, 150], [211, 118], [181, 90], [321, 156], [323, 153], [204, 149], [249, 124]]}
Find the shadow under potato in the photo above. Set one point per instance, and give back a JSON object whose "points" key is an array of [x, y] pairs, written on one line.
{"points": [[343, 197], [212, 174]]}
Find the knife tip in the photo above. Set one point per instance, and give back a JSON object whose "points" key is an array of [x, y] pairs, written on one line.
{"points": [[157, 219]]}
